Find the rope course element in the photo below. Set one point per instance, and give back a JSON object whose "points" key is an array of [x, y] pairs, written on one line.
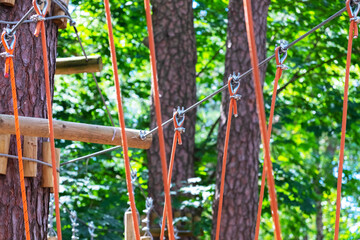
{"points": [[179, 120], [233, 86], [121, 119], [353, 33], [9, 69], [156, 95], [40, 28], [27, 159], [261, 112], [281, 55]]}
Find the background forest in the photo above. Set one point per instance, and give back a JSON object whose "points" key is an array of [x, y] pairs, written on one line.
{"points": [[306, 132]]}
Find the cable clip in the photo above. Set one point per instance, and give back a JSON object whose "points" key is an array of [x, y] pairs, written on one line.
{"points": [[353, 9], [281, 54], [142, 134], [41, 13], [179, 118], [234, 86], [9, 50]]}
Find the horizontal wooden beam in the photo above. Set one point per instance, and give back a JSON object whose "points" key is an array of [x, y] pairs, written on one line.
{"points": [[38, 127], [73, 65]]}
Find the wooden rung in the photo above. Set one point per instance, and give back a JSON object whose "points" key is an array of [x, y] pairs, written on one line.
{"points": [[38, 127], [4, 148], [30, 151], [9, 3], [47, 177], [62, 22], [52, 238], [74, 65], [145, 238]]}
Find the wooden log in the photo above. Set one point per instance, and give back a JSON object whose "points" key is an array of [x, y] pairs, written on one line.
{"points": [[30, 151], [62, 22], [75, 65], [38, 127], [4, 148], [129, 226], [8, 3], [47, 177]]}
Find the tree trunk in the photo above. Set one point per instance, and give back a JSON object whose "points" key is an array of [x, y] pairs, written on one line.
{"points": [[29, 74], [176, 59], [241, 184]]}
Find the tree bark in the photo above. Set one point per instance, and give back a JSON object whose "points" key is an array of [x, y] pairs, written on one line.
{"points": [[29, 74], [176, 59], [241, 184]]}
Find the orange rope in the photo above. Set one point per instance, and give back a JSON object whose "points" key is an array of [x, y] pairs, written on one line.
{"points": [[177, 139], [156, 95], [261, 111], [9, 66], [353, 33], [266, 170], [41, 27], [232, 110], [121, 120]]}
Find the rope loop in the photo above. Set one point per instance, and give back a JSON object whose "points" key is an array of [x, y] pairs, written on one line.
{"points": [[234, 86], [40, 14], [281, 55], [9, 51], [179, 119], [353, 9]]}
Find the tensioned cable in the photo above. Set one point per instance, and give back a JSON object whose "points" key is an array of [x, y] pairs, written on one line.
{"points": [[27, 159], [34, 21], [247, 73]]}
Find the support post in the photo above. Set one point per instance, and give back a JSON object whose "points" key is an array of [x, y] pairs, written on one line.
{"points": [[8, 3], [30, 151], [47, 177], [62, 22], [4, 148]]}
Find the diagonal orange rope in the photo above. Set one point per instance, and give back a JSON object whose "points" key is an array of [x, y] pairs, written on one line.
{"points": [[156, 96], [9, 66], [232, 110], [121, 120], [177, 140], [41, 27], [266, 170], [353, 33], [261, 111]]}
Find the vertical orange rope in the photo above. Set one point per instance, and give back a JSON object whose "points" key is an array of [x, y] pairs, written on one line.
{"points": [[121, 120], [9, 65], [353, 33], [40, 27], [232, 110], [278, 74], [177, 139], [156, 95], [261, 111]]}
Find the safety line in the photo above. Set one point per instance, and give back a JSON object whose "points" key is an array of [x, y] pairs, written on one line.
{"points": [[9, 69], [232, 110], [353, 33], [121, 119], [178, 127], [261, 110], [156, 96], [40, 28], [35, 21], [267, 171]]}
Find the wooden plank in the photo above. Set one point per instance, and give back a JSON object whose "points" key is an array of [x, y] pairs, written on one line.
{"points": [[4, 148], [8, 3], [57, 159], [145, 238], [62, 22], [75, 65], [47, 176], [30, 151], [129, 226], [38, 127]]}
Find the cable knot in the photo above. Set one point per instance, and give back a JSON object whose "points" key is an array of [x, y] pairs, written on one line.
{"points": [[40, 18], [179, 119], [353, 8], [234, 86], [9, 50]]}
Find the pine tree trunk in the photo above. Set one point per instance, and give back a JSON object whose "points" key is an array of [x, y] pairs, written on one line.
{"points": [[241, 184], [176, 59], [29, 75]]}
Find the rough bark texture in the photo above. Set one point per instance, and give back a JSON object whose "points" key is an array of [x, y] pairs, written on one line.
{"points": [[241, 183], [29, 75], [176, 59]]}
